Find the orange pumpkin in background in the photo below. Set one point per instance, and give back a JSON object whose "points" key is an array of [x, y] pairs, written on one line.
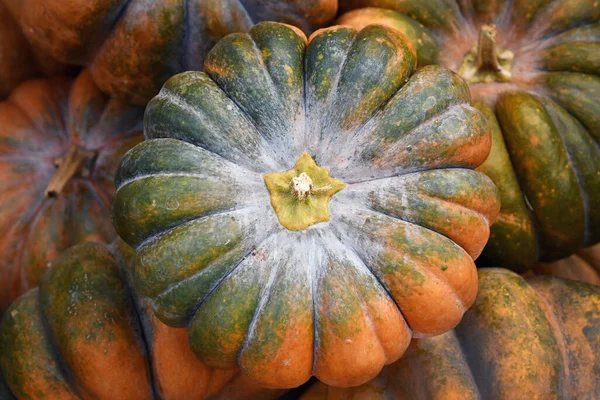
{"points": [[18, 61], [133, 47], [60, 143]]}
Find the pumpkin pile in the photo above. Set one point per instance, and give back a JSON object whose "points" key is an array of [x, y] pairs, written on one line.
{"points": [[300, 211]]}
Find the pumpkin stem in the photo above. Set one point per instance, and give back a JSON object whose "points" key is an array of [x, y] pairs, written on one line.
{"points": [[485, 62], [301, 186], [67, 167]]}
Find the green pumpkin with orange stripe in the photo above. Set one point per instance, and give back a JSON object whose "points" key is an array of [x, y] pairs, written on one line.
{"points": [[533, 68], [307, 207]]}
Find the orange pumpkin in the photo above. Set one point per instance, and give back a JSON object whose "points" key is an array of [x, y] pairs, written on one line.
{"points": [[18, 61], [133, 47], [60, 142]]}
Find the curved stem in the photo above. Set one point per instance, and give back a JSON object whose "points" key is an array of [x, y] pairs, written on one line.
{"points": [[485, 62], [68, 166], [487, 53]]}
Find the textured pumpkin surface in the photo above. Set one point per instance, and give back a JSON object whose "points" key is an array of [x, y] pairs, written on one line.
{"points": [[133, 46], [332, 283], [534, 339], [545, 117], [18, 61], [583, 266], [43, 124], [82, 336]]}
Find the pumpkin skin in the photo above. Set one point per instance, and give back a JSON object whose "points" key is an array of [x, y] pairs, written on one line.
{"points": [[583, 266], [133, 47], [82, 335], [545, 118], [18, 61], [391, 258], [538, 338], [41, 123]]}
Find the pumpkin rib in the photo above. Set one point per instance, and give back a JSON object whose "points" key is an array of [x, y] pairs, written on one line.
{"points": [[332, 95], [53, 84], [576, 169], [419, 267], [377, 278], [218, 283], [363, 129], [264, 296], [560, 338], [187, 107], [468, 140], [63, 368], [31, 222], [158, 235], [101, 195]]}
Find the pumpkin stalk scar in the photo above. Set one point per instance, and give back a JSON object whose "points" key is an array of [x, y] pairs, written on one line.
{"points": [[485, 62], [301, 186], [76, 161], [300, 196]]}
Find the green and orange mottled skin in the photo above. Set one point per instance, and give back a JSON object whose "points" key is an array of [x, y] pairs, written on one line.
{"points": [[545, 118], [41, 123], [83, 335], [18, 60], [133, 46], [305, 207], [521, 339]]}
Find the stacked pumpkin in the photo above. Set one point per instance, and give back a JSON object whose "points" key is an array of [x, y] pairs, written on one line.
{"points": [[534, 70], [300, 208]]}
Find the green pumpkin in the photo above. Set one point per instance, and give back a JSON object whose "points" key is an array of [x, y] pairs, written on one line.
{"points": [[533, 68], [307, 209], [534, 339], [84, 335]]}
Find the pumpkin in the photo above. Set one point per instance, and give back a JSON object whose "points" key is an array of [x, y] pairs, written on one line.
{"points": [[307, 209], [533, 69], [583, 266], [18, 61], [133, 47], [538, 338], [83, 334], [60, 142]]}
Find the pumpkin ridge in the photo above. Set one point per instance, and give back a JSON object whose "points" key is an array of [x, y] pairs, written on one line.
{"points": [[62, 96], [377, 278], [332, 95], [421, 266], [350, 181], [577, 172], [180, 102], [444, 201], [263, 298], [118, 16], [100, 194], [552, 319], [31, 222], [265, 142], [64, 370], [161, 233], [220, 281]]}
